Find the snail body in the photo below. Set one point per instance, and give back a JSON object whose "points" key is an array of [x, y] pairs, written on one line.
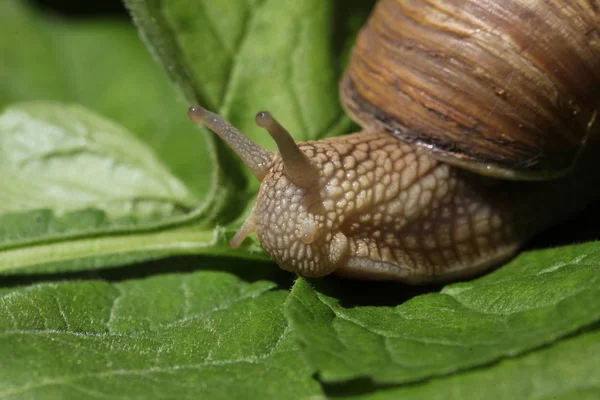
{"points": [[459, 122]]}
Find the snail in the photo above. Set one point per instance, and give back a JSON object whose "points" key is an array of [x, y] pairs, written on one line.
{"points": [[479, 129]]}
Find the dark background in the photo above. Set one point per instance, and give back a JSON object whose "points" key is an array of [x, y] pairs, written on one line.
{"points": [[83, 8]]}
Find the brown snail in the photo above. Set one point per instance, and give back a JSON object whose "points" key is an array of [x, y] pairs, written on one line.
{"points": [[479, 120]]}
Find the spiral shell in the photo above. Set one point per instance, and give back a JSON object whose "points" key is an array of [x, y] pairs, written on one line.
{"points": [[508, 88]]}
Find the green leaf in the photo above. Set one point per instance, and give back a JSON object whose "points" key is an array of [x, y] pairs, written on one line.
{"points": [[103, 66], [67, 171], [205, 334], [240, 57], [533, 301], [79, 191], [568, 370], [119, 249]]}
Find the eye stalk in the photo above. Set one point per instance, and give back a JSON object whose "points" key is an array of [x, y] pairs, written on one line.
{"points": [[297, 166], [255, 157]]}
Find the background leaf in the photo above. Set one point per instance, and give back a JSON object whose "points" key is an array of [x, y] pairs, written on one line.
{"points": [[239, 57], [533, 301], [103, 66], [179, 336], [79, 192], [67, 171]]}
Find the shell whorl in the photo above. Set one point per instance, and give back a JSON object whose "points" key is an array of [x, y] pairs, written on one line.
{"points": [[512, 84]]}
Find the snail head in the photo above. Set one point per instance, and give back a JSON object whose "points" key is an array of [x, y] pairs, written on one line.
{"points": [[289, 217]]}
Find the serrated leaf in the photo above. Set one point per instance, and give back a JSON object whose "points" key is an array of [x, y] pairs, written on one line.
{"points": [[533, 301], [567, 370], [205, 334]]}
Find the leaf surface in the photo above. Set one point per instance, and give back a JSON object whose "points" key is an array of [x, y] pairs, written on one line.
{"points": [[205, 334], [67, 171], [239, 57], [533, 301], [143, 182], [102, 65]]}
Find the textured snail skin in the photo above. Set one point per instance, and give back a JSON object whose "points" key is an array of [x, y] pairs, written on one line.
{"points": [[379, 210], [374, 207], [383, 210]]}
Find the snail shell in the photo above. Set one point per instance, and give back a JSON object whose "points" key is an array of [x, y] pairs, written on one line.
{"points": [[451, 95], [511, 84]]}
